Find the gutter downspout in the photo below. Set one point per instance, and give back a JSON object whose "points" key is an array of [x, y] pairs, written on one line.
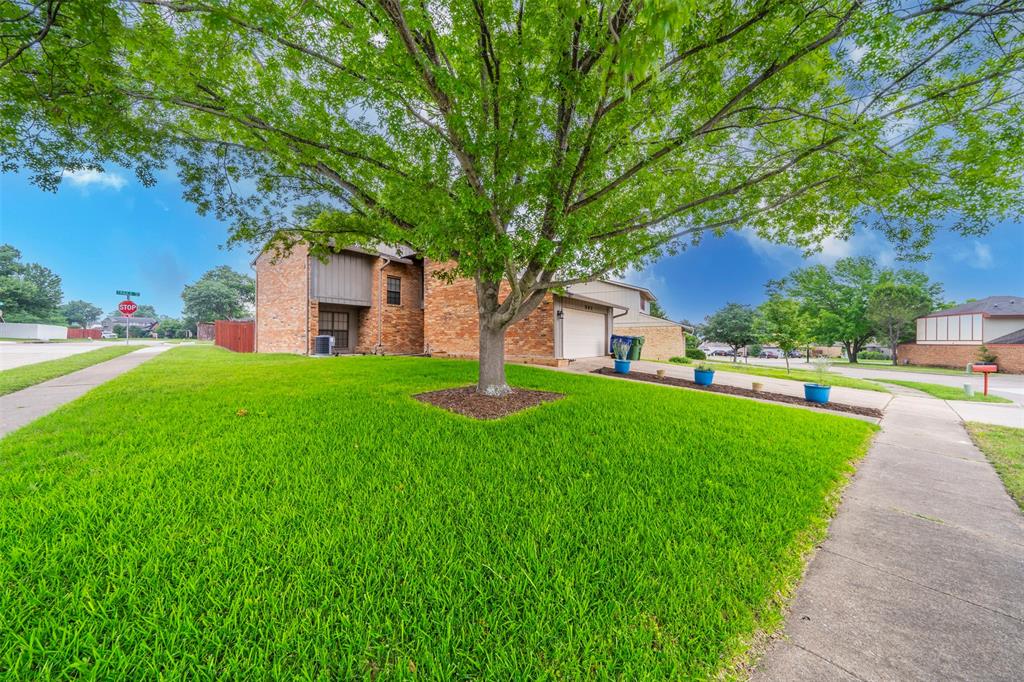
{"points": [[380, 304]]}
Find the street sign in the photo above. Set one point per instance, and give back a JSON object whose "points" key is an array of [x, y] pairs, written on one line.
{"points": [[127, 308], [129, 294]]}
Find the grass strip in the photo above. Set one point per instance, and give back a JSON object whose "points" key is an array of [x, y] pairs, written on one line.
{"points": [[278, 517], [947, 392], [887, 365], [17, 378], [802, 375], [1004, 447]]}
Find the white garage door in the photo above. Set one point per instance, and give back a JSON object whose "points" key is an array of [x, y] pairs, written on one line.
{"points": [[582, 334]]}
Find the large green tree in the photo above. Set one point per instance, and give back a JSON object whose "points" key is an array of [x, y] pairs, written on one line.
{"points": [[537, 143], [81, 313], [783, 323], [892, 309], [220, 294], [733, 324], [29, 292], [836, 298]]}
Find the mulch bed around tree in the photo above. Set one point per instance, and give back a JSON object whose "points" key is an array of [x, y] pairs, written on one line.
{"points": [[468, 402], [733, 390]]}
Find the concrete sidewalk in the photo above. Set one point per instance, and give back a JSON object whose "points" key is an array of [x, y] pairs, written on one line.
{"points": [[24, 406], [922, 576]]}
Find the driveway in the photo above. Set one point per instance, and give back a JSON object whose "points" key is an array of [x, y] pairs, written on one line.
{"points": [[14, 354]]}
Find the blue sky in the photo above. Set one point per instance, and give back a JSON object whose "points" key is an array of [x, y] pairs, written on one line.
{"points": [[103, 232]]}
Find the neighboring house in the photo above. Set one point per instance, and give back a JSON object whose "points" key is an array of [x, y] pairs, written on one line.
{"points": [[140, 326], [663, 339], [389, 302], [952, 337]]}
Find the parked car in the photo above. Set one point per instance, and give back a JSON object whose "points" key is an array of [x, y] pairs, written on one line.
{"points": [[720, 352], [108, 335], [770, 354]]}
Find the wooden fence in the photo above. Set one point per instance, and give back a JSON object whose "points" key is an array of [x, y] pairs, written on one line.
{"points": [[237, 336], [74, 333]]}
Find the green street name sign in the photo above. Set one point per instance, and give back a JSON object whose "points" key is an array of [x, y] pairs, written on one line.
{"points": [[121, 292]]}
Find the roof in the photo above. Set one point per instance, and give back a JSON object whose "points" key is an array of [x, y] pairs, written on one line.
{"points": [[593, 301], [1016, 337], [993, 306], [642, 290]]}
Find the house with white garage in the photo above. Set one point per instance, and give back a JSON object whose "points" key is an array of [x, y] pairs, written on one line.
{"points": [[388, 301], [663, 339], [953, 337]]}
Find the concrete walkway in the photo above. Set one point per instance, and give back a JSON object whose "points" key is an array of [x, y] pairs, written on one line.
{"points": [[24, 406], [922, 576]]}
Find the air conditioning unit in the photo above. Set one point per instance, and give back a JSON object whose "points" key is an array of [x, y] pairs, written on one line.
{"points": [[323, 344]]}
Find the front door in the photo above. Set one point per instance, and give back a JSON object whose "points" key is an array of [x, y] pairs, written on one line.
{"points": [[336, 324]]}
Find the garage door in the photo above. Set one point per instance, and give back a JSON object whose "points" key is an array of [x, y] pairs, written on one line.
{"points": [[583, 334]]}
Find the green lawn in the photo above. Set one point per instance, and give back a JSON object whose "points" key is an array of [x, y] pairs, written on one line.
{"points": [[887, 365], [273, 516], [1004, 447], [947, 392], [28, 375], [796, 375]]}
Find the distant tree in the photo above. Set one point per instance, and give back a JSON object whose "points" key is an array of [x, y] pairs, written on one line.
{"points": [[29, 292], [81, 313], [782, 322], [692, 341], [171, 327], [732, 325], [146, 310], [657, 311], [892, 309], [836, 298], [220, 294]]}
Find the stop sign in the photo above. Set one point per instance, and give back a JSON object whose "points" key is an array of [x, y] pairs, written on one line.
{"points": [[127, 308]]}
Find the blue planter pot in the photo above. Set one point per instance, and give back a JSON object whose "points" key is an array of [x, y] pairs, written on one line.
{"points": [[816, 393], [703, 377], [622, 366]]}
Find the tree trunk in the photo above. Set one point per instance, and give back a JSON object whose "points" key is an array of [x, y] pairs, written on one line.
{"points": [[851, 351], [492, 361]]}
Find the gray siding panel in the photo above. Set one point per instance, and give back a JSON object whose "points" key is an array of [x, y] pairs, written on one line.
{"points": [[346, 278]]}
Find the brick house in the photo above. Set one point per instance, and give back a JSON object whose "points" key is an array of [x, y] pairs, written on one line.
{"points": [[952, 337], [389, 302], [663, 339]]}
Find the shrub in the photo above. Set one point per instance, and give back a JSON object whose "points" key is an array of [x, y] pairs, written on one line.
{"points": [[986, 356], [696, 354], [754, 350], [679, 360], [872, 355]]}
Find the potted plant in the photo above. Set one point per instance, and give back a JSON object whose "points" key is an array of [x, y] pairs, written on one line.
{"points": [[620, 349], [703, 375], [818, 392]]}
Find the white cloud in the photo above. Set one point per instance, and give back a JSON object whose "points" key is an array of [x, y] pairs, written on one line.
{"points": [[88, 177], [857, 53], [978, 256], [862, 243], [646, 279]]}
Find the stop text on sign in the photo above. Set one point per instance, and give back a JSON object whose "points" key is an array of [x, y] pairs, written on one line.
{"points": [[127, 308]]}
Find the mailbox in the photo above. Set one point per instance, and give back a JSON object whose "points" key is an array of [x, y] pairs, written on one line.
{"points": [[986, 370]]}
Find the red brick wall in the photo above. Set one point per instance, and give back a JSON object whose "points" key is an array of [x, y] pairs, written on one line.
{"points": [[451, 322], [660, 343], [1010, 357], [401, 326], [282, 303]]}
